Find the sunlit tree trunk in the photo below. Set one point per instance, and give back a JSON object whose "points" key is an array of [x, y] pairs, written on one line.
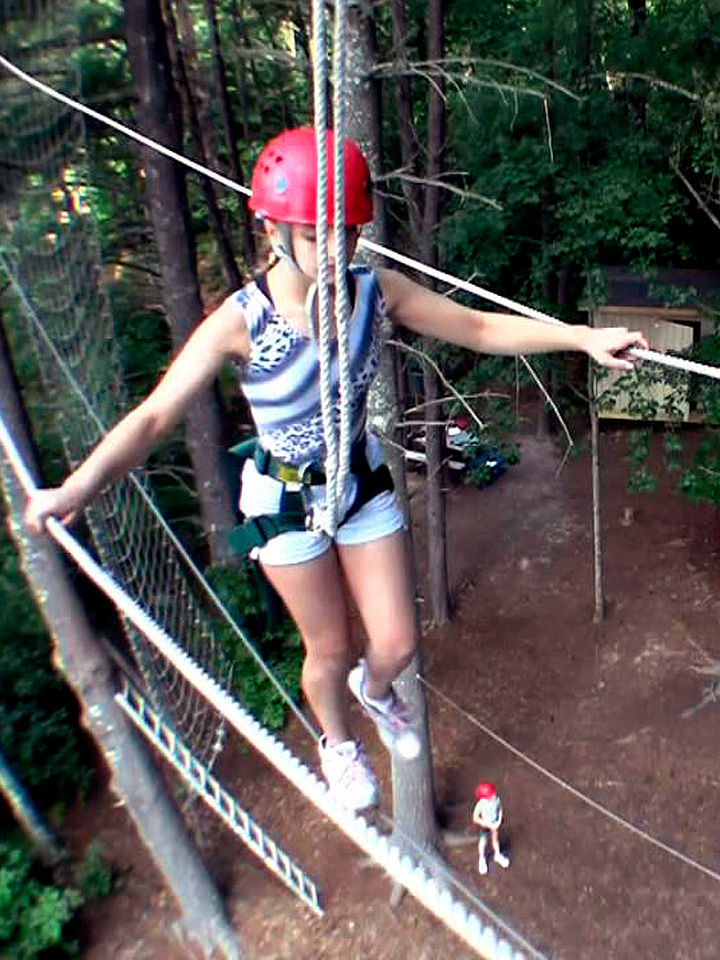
{"points": [[168, 204], [413, 792]]}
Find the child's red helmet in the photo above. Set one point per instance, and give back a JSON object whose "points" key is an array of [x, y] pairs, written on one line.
{"points": [[284, 181], [485, 791]]}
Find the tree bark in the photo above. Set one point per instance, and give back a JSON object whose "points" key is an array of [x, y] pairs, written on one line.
{"points": [[598, 554], [406, 123], [204, 95], [169, 212], [413, 788], [79, 657], [229, 127], [547, 207], [227, 256], [436, 513]]}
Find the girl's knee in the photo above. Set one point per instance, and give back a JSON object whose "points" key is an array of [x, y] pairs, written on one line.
{"points": [[326, 662], [394, 653]]}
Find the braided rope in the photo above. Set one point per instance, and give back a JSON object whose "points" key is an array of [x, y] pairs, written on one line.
{"points": [[343, 307], [328, 520]]}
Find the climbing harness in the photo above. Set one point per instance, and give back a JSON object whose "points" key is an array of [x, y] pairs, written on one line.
{"points": [[297, 511]]}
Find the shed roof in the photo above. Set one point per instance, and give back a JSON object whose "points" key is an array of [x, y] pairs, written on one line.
{"points": [[660, 288]]}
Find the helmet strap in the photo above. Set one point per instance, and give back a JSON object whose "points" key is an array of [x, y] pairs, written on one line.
{"points": [[283, 248], [311, 310]]}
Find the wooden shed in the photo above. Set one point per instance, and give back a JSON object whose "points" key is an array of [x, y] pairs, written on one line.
{"points": [[636, 301]]}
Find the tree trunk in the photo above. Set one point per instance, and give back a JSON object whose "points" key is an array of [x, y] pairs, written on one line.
{"points": [[204, 95], [435, 513], [79, 657], [45, 845], [406, 124], [229, 127], [413, 788], [547, 208], [436, 523], [188, 89], [598, 557], [169, 212]]}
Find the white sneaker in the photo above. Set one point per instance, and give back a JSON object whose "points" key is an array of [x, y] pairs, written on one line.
{"points": [[392, 719], [348, 774]]}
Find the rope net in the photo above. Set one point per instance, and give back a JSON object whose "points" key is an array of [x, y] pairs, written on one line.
{"points": [[50, 251]]}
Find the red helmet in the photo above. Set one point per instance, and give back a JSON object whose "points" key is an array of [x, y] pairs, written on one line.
{"points": [[485, 791], [284, 181]]}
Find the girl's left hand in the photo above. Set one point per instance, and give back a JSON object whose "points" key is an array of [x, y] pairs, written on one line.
{"points": [[609, 345]]}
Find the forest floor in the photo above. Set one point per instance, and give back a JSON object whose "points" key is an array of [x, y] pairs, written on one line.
{"points": [[603, 711]]}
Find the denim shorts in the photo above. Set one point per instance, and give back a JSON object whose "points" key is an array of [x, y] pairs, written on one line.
{"points": [[261, 494]]}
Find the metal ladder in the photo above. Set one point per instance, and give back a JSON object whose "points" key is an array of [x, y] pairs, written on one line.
{"points": [[223, 803]]}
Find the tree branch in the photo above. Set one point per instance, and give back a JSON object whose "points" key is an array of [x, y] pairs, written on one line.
{"points": [[441, 184], [439, 66], [698, 199]]}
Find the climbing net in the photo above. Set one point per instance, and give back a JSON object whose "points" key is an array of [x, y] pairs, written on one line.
{"points": [[51, 254]]}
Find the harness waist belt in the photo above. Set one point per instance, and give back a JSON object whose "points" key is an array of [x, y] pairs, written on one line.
{"points": [[309, 474]]}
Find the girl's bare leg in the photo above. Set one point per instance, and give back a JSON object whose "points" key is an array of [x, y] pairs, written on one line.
{"points": [[379, 579], [313, 593]]}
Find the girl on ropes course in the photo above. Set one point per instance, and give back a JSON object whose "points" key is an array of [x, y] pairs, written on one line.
{"points": [[268, 330]]}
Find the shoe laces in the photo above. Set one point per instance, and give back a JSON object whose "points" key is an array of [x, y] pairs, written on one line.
{"points": [[350, 759], [394, 713]]}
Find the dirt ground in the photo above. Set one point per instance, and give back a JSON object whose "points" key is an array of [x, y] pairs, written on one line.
{"points": [[602, 712]]}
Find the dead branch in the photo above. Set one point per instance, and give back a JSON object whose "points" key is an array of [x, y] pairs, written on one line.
{"points": [[426, 358], [696, 196], [441, 184], [440, 66]]}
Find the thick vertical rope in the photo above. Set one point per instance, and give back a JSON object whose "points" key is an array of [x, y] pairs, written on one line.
{"points": [[337, 443], [343, 307], [327, 522]]}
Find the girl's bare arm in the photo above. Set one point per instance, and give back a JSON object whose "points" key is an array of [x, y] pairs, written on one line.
{"points": [[221, 335]]}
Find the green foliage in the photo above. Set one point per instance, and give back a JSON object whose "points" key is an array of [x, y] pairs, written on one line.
{"points": [[33, 914], [641, 480], [95, 875], [700, 482], [278, 642]]}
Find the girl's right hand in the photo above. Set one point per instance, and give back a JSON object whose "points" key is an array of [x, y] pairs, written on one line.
{"points": [[52, 502]]}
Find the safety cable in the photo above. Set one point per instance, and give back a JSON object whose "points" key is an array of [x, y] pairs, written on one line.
{"points": [[563, 784], [653, 356]]}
